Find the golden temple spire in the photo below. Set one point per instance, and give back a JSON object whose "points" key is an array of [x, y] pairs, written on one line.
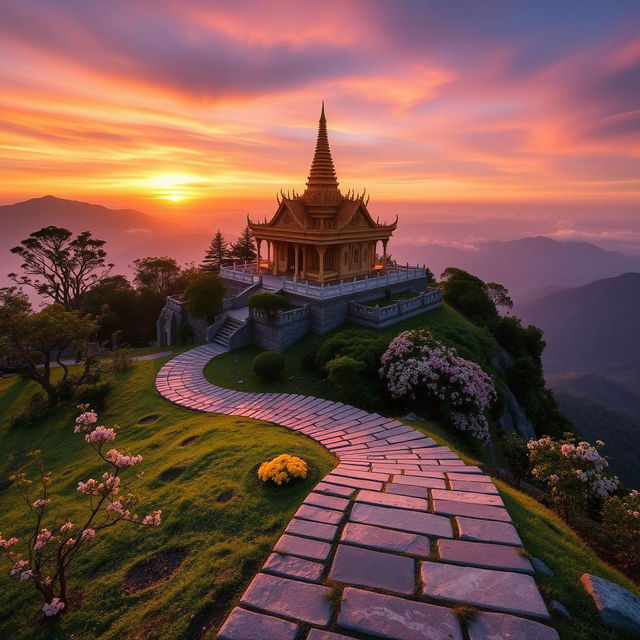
{"points": [[322, 174]]}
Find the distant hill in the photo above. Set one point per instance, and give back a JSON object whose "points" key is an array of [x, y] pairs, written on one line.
{"points": [[528, 267], [592, 328], [129, 233]]}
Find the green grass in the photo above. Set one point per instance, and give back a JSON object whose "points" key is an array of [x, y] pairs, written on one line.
{"points": [[382, 302], [234, 370], [547, 537], [226, 542]]}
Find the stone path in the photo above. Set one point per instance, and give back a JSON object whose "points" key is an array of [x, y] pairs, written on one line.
{"points": [[387, 543]]}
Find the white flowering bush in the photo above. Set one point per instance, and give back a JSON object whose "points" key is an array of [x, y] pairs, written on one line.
{"points": [[417, 367], [43, 557], [572, 471], [621, 524]]}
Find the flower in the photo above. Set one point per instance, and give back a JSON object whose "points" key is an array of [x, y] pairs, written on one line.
{"points": [[100, 435], [67, 526], [53, 608], [42, 539], [5, 544], [40, 503], [121, 460], [85, 420], [87, 534], [19, 566], [153, 519]]}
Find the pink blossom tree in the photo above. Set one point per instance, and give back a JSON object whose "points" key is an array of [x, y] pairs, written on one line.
{"points": [[44, 556]]}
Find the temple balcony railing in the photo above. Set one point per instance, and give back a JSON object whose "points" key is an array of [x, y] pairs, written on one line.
{"points": [[381, 315], [393, 275], [241, 272]]}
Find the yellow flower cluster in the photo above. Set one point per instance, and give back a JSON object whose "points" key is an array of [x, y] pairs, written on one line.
{"points": [[282, 468]]}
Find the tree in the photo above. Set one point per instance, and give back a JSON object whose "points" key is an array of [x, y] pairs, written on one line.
{"points": [[116, 305], [49, 551], [218, 254], [499, 295], [34, 341], [204, 296], [243, 250], [59, 267], [158, 275]]}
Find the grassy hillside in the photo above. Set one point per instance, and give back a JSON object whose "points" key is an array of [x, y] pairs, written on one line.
{"points": [[234, 370], [213, 509]]}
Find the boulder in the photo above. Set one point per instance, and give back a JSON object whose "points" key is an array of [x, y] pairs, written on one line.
{"points": [[618, 607], [541, 567]]}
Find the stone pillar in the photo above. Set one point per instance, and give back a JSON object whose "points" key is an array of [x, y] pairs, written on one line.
{"points": [[384, 256], [258, 244], [296, 248], [321, 251]]}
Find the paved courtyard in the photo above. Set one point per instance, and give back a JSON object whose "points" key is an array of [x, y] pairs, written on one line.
{"points": [[388, 543]]}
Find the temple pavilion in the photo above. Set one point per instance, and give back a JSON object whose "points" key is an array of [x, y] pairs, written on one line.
{"points": [[323, 235]]}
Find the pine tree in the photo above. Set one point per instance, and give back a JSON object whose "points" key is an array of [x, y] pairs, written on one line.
{"points": [[217, 255], [244, 250]]}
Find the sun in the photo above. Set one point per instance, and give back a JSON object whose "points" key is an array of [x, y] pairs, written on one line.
{"points": [[171, 187]]}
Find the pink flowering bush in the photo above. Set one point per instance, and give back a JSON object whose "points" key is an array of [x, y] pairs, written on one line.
{"points": [[572, 471], [43, 557], [621, 523], [417, 367]]}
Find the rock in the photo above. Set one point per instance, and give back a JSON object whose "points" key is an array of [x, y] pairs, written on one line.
{"points": [[513, 418], [411, 417], [541, 567], [247, 625], [618, 607], [502, 361], [560, 609]]}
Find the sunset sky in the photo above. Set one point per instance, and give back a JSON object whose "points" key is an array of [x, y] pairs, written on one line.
{"points": [[474, 119]]}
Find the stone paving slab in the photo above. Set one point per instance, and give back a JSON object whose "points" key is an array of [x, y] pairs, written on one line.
{"points": [[480, 554], [487, 531], [387, 539], [391, 500], [498, 590], [471, 510], [292, 598], [403, 520], [499, 626], [303, 547], [310, 529], [368, 568], [386, 616], [248, 625], [293, 567], [389, 474]]}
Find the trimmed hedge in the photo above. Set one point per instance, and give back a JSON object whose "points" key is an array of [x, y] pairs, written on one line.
{"points": [[268, 364]]}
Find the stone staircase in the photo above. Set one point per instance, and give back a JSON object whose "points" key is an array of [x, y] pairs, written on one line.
{"points": [[223, 336]]}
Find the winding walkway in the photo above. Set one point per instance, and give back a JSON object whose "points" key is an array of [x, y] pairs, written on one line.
{"points": [[387, 544]]}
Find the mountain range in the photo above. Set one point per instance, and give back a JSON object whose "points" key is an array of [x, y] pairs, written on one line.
{"points": [[529, 267]]}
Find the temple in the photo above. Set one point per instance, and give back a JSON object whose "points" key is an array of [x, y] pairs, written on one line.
{"points": [[322, 236], [320, 250]]}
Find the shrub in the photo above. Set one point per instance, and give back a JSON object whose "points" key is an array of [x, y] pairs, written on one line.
{"points": [[573, 473], [36, 409], [420, 369], [344, 371], [283, 468], [204, 296], [269, 302], [515, 456], [621, 524], [121, 359], [268, 364], [355, 344], [93, 394], [308, 358]]}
